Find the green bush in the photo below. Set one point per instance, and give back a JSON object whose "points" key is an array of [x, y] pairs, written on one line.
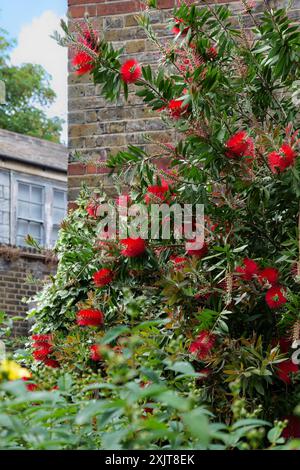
{"points": [[162, 344]]}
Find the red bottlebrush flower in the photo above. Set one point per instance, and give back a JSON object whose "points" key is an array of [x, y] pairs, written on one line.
{"points": [[292, 431], [41, 340], [31, 387], [95, 354], [130, 71], [41, 353], [133, 247], [198, 253], [202, 345], [83, 63], [248, 270], [202, 297], [285, 345], [176, 29], [178, 261], [90, 317], [239, 145], [90, 39], [103, 277], [268, 275], [156, 192], [92, 209], [275, 297], [51, 363], [286, 368], [176, 109], [279, 161], [212, 53]]}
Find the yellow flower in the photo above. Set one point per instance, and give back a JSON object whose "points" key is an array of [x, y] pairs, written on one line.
{"points": [[12, 371]]}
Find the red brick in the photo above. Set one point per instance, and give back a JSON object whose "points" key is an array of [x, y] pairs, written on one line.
{"points": [[91, 168], [76, 169], [79, 12]]}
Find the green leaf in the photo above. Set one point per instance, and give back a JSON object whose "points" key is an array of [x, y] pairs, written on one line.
{"points": [[114, 333]]}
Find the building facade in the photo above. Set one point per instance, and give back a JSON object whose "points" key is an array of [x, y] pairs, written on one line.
{"points": [[33, 201]]}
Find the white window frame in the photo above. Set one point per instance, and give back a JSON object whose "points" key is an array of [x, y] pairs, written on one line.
{"points": [[42, 220], [48, 186]]}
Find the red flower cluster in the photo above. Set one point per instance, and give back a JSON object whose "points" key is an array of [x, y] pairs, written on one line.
{"points": [[133, 247], [292, 431], [83, 61], [176, 29], [176, 109], [156, 192], [130, 71], [103, 277], [43, 349], [92, 209], [95, 354], [178, 261], [268, 275], [51, 363], [285, 369], [249, 269], [90, 317], [275, 297], [279, 161], [203, 344], [212, 53], [239, 145]]}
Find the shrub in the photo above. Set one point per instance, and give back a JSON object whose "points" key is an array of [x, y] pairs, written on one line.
{"points": [[169, 332]]}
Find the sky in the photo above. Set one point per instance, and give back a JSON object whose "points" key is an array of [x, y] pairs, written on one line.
{"points": [[31, 23]]}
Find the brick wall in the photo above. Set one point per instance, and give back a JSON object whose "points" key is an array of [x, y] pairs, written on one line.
{"points": [[96, 127], [17, 269]]}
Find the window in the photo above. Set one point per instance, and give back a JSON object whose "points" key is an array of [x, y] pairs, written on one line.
{"points": [[31, 205], [58, 213], [30, 213]]}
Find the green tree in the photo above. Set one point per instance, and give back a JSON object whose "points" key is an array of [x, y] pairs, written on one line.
{"points": [[28, 92]]}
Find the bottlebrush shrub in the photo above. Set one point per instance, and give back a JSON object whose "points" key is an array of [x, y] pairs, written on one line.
{"points": [[225, 310]]}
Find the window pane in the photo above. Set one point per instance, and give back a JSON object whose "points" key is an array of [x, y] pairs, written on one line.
{"points": [[21, 241], [36, 212], [54, 237], [36, 194], [59, 199], [23, 210], [22, 228], [23, 192], [58, 215], [35, 230]]}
